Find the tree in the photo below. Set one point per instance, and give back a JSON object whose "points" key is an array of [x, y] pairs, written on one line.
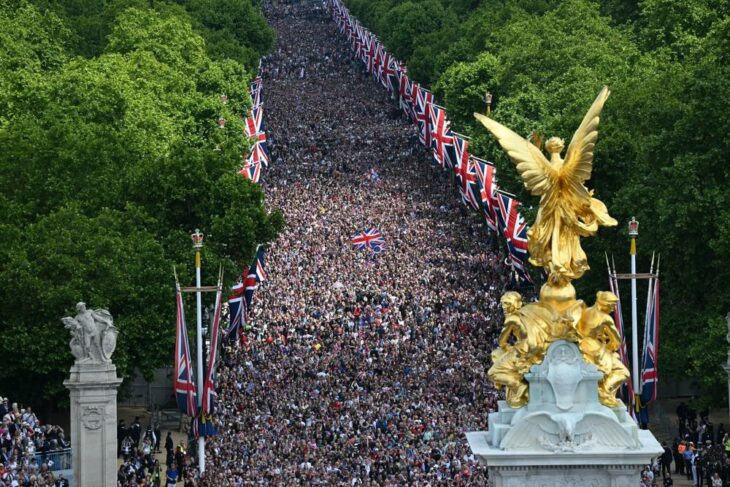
{"points": [[107, 166]]}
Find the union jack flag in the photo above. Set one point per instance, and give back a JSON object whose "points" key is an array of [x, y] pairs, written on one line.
{"points": [[209, 394], [377, 61], [442, 139], [369, 239], [405, 88], [388, 72], [252, 171], [468, 187], [184, 385], [424, 99], [257, 89], [487, 190], [255, 122], [236, 312], [627, 390], [514, 229], [255, 129], [649, 366]]}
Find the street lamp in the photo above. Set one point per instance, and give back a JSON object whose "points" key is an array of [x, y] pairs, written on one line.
{"points": [[488, 100]]}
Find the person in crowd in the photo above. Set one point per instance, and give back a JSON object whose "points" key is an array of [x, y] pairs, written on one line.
{"points": [[666, 460]]}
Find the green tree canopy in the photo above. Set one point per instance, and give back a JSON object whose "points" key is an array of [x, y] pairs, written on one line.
{"points": [[109, 161]]}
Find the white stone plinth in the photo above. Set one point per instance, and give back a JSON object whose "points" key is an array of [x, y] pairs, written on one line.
{"points": [[564, 436], [607, 467], [93, 391]]}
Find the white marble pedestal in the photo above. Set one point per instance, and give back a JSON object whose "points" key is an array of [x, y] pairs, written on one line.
{"points": [[536, 468], [563, 437], [93, 391]]}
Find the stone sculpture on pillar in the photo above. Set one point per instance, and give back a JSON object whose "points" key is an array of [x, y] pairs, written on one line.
{"points": [[93, 388]]}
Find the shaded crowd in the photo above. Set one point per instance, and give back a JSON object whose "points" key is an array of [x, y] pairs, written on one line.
{"points": [[28, 447], [357, 369], [700, 452]]}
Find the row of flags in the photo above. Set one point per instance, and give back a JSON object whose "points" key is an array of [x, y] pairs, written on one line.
{"points": [[255, 129], [239, 302], [476, 177]]}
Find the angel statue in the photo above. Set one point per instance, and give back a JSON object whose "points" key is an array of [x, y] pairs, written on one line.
{"points": [[93, 335], [567, 209]]}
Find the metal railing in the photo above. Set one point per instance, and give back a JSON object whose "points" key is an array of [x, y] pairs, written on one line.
{"points": [[61, 459]]}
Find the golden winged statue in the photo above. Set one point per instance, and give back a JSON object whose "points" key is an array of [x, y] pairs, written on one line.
{"points": [[567, 209]]}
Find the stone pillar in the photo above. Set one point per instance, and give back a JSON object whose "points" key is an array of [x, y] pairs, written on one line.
{"points": [[93, 390]]}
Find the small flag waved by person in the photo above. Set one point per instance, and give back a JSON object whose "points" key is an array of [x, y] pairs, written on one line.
{"points": [[369, 239]]}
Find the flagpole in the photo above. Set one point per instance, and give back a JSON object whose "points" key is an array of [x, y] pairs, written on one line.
{"points": [[633, 233], [197, 245]]}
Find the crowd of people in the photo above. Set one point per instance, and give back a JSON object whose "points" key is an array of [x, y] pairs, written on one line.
{"points": [[358, 369], [700, 452], [27, 447]]}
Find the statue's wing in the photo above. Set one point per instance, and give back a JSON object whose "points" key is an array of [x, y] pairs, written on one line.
{"points": [[579, 158], [529, 431], [605, 431], [532, 165]]}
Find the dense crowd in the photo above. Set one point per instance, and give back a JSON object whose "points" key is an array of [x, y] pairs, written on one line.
{"points": [[359, 369], [26, 449]]}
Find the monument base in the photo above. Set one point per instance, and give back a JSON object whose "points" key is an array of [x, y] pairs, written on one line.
{"points": [[540, 468], [564, 436], [93, 391]]}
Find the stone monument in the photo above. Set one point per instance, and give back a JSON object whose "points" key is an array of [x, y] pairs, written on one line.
{"points": [[93, 389], [561, 423]]}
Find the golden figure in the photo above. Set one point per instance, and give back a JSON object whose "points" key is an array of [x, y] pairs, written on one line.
{"points": [[567, 212], [567, 209], [599, 344], [523, 342]]}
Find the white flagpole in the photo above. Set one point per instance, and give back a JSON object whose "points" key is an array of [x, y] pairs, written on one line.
{"points": [[633, 233], [198, 244]]}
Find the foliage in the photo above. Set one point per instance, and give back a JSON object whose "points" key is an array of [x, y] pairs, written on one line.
{"points": [[108, 163], [662, 142]]}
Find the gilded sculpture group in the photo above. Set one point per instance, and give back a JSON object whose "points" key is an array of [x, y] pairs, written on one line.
{"points": [[567, 212]]}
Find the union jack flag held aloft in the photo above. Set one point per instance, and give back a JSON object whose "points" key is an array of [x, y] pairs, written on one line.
{"points": [[369, 239]]}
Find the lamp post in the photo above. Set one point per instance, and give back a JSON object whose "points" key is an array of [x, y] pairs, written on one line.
{"points": [[197, 238], [488, 101], [633, 233]]}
